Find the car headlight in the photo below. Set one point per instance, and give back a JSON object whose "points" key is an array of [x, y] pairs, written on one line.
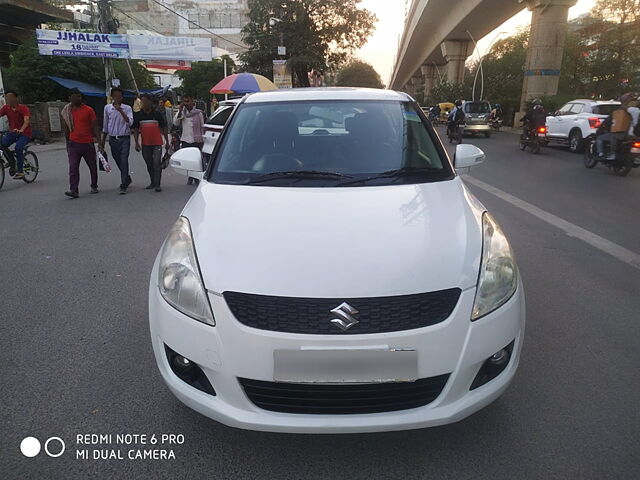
{"points": [[179, 277], [498, 277]]}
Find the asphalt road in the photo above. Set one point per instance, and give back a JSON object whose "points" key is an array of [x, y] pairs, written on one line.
{"points": [[75, 356]]}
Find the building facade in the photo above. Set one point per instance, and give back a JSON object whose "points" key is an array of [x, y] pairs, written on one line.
{"points": [[225, 18]]}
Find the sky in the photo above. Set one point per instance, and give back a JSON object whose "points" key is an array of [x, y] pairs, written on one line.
{"points": [[381, 47]]}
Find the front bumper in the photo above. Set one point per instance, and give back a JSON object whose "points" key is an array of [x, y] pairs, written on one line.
{"points": [[231, 350]]}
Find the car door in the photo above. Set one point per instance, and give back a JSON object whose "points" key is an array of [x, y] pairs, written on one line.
{"points": [[214, 126], [556, 123], [571, 119]]}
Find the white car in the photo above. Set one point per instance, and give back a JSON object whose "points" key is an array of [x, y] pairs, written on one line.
{"points": [[334, 279], [576, 121], [215, 123]]}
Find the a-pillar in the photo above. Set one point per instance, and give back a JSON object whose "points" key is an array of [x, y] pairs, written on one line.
{"points": [[546, 46], [430, 76], [455, 52]]}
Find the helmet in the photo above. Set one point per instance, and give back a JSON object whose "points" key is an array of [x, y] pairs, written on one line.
{"points": [[497, 105], [537, 107], [628, 97], [536, 101], [458, 103]]}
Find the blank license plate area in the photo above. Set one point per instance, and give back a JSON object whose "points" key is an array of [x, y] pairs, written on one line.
{"points": [[345, 366]]}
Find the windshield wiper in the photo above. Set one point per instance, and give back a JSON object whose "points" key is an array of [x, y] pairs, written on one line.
{"points": [[297, 174], [395, 173]]}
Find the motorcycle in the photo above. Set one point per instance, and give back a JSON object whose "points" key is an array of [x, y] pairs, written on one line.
{"points": [[495, 124], [535, 139], [627, 156], [455, 133]]}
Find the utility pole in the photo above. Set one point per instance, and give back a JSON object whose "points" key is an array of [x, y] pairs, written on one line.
{"points": [[106, 25]]}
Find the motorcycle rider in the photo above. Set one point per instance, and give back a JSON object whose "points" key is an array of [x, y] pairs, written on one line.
{"points": [[496, 113], [455, 118], [615, 128], [535, 118], [435, 112]]}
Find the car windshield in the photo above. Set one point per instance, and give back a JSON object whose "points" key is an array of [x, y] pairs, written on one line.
{"points": [[329, 143], [605, 109], [476, 107]]}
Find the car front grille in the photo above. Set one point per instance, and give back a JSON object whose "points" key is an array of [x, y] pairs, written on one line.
{"points": [[313, 315], [337, 399]]}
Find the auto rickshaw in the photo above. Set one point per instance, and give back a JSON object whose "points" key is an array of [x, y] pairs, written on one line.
{"points": [[445, 108]]}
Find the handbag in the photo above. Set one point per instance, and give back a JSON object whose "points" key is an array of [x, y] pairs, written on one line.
{"points": [[165, 159], [103, 162]]}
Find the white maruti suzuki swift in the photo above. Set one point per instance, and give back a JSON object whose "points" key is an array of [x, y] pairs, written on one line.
{"points": [[332, 273]]}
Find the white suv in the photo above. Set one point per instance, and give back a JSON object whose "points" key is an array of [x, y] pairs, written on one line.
{"points": [[215, 123], [332, 273], [576, 121]]}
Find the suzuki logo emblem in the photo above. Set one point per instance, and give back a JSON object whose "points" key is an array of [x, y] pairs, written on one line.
{"points": [[345, 319]]}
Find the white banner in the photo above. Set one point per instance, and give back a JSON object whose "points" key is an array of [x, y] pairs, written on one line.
{"points": [[82, 44], [148, 47]]}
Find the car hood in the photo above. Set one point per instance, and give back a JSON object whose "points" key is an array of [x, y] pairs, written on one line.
{"points": [[336, 242]]}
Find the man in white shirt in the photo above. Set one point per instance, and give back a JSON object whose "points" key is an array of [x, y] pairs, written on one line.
{"points": [[191, 120]]}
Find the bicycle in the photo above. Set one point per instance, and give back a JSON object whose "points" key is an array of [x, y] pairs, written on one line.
{"points": [[8, 161]]}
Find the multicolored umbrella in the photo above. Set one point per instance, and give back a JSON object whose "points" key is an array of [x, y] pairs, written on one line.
{"points": [[243, 83]]}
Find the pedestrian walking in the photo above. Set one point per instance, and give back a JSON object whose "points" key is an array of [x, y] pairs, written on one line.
{"points": [[19, 131], [117, 121], [151, 125], [191, 120], [80, 129]]}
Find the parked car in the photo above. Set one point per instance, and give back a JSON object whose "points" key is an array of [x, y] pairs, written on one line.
{"points": [[332, 273], [215, 123], [476, 118], [576, 121]]}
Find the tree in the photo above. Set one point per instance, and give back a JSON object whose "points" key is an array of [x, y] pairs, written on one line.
{"points": [[358, 74], [503, 72], [203, 75], [447, 92], [318, 34], [28, 69], [614, 36]]}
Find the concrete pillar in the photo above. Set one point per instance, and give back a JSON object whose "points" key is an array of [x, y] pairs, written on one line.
{"points": [[412, 86], [430, 76], [546, 46], [455, 52]]}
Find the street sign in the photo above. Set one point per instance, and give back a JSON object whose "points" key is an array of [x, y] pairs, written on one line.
{"points": [[281, 74], [282, 50]]}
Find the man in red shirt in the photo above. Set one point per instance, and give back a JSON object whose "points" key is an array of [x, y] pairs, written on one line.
{"points": [[80, 128], [151, 125], [19, 130]]}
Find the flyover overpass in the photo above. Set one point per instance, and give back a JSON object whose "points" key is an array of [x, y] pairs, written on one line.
{"points": [[437, 39]]}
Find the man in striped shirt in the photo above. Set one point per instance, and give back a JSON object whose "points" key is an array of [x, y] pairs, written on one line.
{"points": [[151, 125], [117, 121]]}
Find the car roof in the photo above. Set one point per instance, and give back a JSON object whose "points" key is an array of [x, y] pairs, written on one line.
{"points": [[595, 102], [326, 93]]}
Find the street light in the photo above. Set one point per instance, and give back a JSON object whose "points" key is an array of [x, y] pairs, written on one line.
{"points": [[480, 58], [272, 22]]}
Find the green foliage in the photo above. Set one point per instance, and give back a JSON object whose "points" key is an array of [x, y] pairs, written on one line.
{"points": [[447, 92], [614, 28], [551, 103], [202, 76], [318, 34], [358, 74], [28, 69]]}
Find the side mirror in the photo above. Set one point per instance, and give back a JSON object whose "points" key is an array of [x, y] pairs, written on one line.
{"points": [[467, 156], [188, 162]]}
